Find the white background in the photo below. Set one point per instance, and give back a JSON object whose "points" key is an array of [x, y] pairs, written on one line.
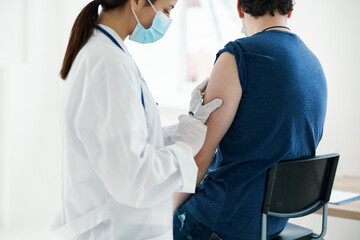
{"points": [[33, 39]]}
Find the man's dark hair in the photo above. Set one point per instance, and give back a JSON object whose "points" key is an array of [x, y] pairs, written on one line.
{"points": [[259, 8]]}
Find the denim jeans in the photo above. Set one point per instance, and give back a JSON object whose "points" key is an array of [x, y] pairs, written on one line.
{"points": [[187, 227]]}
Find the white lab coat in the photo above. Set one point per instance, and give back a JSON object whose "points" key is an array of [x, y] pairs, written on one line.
{"points": [[118, 176]]}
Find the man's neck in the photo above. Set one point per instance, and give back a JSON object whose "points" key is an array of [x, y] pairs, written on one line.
{"points": [[255, 25]]}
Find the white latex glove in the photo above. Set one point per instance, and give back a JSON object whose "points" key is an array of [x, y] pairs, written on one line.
{"points": [[168, 131], [203, 111], [190, 131]]}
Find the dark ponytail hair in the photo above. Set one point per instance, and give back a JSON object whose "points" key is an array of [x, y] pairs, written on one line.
{"points": [[82, 30]]}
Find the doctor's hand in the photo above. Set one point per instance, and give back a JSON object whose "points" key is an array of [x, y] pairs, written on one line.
{"points": [[189, 131], [196, 109]]}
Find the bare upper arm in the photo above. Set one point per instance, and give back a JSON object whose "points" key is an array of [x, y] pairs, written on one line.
{"points": [[224, 83]]}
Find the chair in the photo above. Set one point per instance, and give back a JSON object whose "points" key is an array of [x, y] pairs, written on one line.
{"points": [[298, 188]]}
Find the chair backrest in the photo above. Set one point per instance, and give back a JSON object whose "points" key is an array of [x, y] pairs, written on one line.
{"points": [[299, 187]]}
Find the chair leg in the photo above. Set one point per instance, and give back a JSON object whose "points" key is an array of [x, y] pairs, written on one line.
{"points": [[263, 226], [324, 223]]}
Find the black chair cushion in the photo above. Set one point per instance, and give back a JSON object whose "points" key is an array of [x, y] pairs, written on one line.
{"points": [[294, 232]]}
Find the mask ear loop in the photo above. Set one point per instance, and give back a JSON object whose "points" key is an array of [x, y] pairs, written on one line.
{"points": [[152, 6], [135, 15]]}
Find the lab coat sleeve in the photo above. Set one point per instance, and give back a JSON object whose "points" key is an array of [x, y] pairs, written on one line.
{"points": [[111, 124]]}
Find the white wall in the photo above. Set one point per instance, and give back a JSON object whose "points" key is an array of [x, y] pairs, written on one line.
{"points": [[330, 28], [30, 125], [31, 55], [1, 147]]}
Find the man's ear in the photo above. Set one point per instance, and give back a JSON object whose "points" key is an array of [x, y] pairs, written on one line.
{"points": [[290, 14], [240, 11]]}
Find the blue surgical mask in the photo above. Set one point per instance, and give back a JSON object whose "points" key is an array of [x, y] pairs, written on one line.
{"points": [[160, 25]]}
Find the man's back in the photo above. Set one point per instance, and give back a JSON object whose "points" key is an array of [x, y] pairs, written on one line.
{"points": [[280, 116]]}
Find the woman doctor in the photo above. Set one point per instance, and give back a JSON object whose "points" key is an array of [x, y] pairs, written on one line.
{"points": [[118, 174]]}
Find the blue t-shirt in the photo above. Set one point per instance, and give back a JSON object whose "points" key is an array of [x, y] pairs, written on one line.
{"points": [[280, 117]]}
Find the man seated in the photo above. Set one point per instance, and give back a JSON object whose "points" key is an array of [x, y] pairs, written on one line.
{"points": [[275, 96]]}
